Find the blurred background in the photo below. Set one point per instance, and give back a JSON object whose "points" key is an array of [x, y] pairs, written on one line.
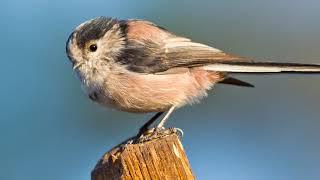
{"points": [[50, 130]]}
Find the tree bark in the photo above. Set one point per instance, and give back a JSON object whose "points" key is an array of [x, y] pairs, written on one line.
{"points": [[159, 156]]}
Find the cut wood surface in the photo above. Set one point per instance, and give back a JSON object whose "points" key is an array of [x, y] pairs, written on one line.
{"points": [[159, 156]]}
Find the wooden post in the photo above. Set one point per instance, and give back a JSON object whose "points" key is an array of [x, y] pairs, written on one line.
{"points": [[159, 156]]}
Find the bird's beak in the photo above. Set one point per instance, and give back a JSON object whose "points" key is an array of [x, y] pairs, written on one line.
{"points": [[77, 65]]}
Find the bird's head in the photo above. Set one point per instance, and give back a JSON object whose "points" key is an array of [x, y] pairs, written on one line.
{"points": [[95, 42]]}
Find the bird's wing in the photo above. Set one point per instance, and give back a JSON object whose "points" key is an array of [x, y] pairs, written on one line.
{"points": [[152, 49]]}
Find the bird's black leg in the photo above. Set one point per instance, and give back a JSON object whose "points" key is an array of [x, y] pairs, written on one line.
{"points": [[145, 127]]}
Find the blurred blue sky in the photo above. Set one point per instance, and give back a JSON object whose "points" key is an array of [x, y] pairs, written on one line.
{"points": [[50, 130]]}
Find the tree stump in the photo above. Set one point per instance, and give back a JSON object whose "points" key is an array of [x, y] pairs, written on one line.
{"points": [[159, 156]]}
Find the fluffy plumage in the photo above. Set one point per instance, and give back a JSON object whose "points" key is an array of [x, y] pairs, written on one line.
{"points": [[141, 67]]}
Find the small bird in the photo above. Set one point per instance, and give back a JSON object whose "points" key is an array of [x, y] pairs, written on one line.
{"points": [[137, 66]]}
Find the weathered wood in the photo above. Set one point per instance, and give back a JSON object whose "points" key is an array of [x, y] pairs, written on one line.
{"points": [[157, 157]]}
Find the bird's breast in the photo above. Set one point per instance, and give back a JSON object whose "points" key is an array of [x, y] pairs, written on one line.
{"points": [[137, 92]]}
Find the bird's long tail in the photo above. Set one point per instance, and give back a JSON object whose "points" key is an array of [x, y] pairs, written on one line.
{"points": [[260, 68]]}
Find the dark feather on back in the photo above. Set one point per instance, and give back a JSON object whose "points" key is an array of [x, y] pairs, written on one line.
{"points": [[143, 58]]}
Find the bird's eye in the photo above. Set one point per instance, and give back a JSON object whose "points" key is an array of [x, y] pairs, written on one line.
{"points": [[93, 47]]}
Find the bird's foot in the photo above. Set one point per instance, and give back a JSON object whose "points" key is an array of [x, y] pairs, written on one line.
{"points": [[177, 131], [142, 136], [156, 133]]}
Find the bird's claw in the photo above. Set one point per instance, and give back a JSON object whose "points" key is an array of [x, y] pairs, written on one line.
{"points": [[177, 130], [155, 133]]}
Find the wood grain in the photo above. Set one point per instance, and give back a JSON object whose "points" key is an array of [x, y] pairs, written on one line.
{"points": [[157, 157]]}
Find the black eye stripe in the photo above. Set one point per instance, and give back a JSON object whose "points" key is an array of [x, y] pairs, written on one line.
{"points": [[94, 29], [93, 47]]}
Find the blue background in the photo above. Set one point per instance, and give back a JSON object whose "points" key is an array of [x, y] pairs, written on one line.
{"points": [[50, 130]]}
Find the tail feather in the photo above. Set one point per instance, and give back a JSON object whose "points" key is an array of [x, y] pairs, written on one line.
{"points": [[262, 67], [236, 82]]}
